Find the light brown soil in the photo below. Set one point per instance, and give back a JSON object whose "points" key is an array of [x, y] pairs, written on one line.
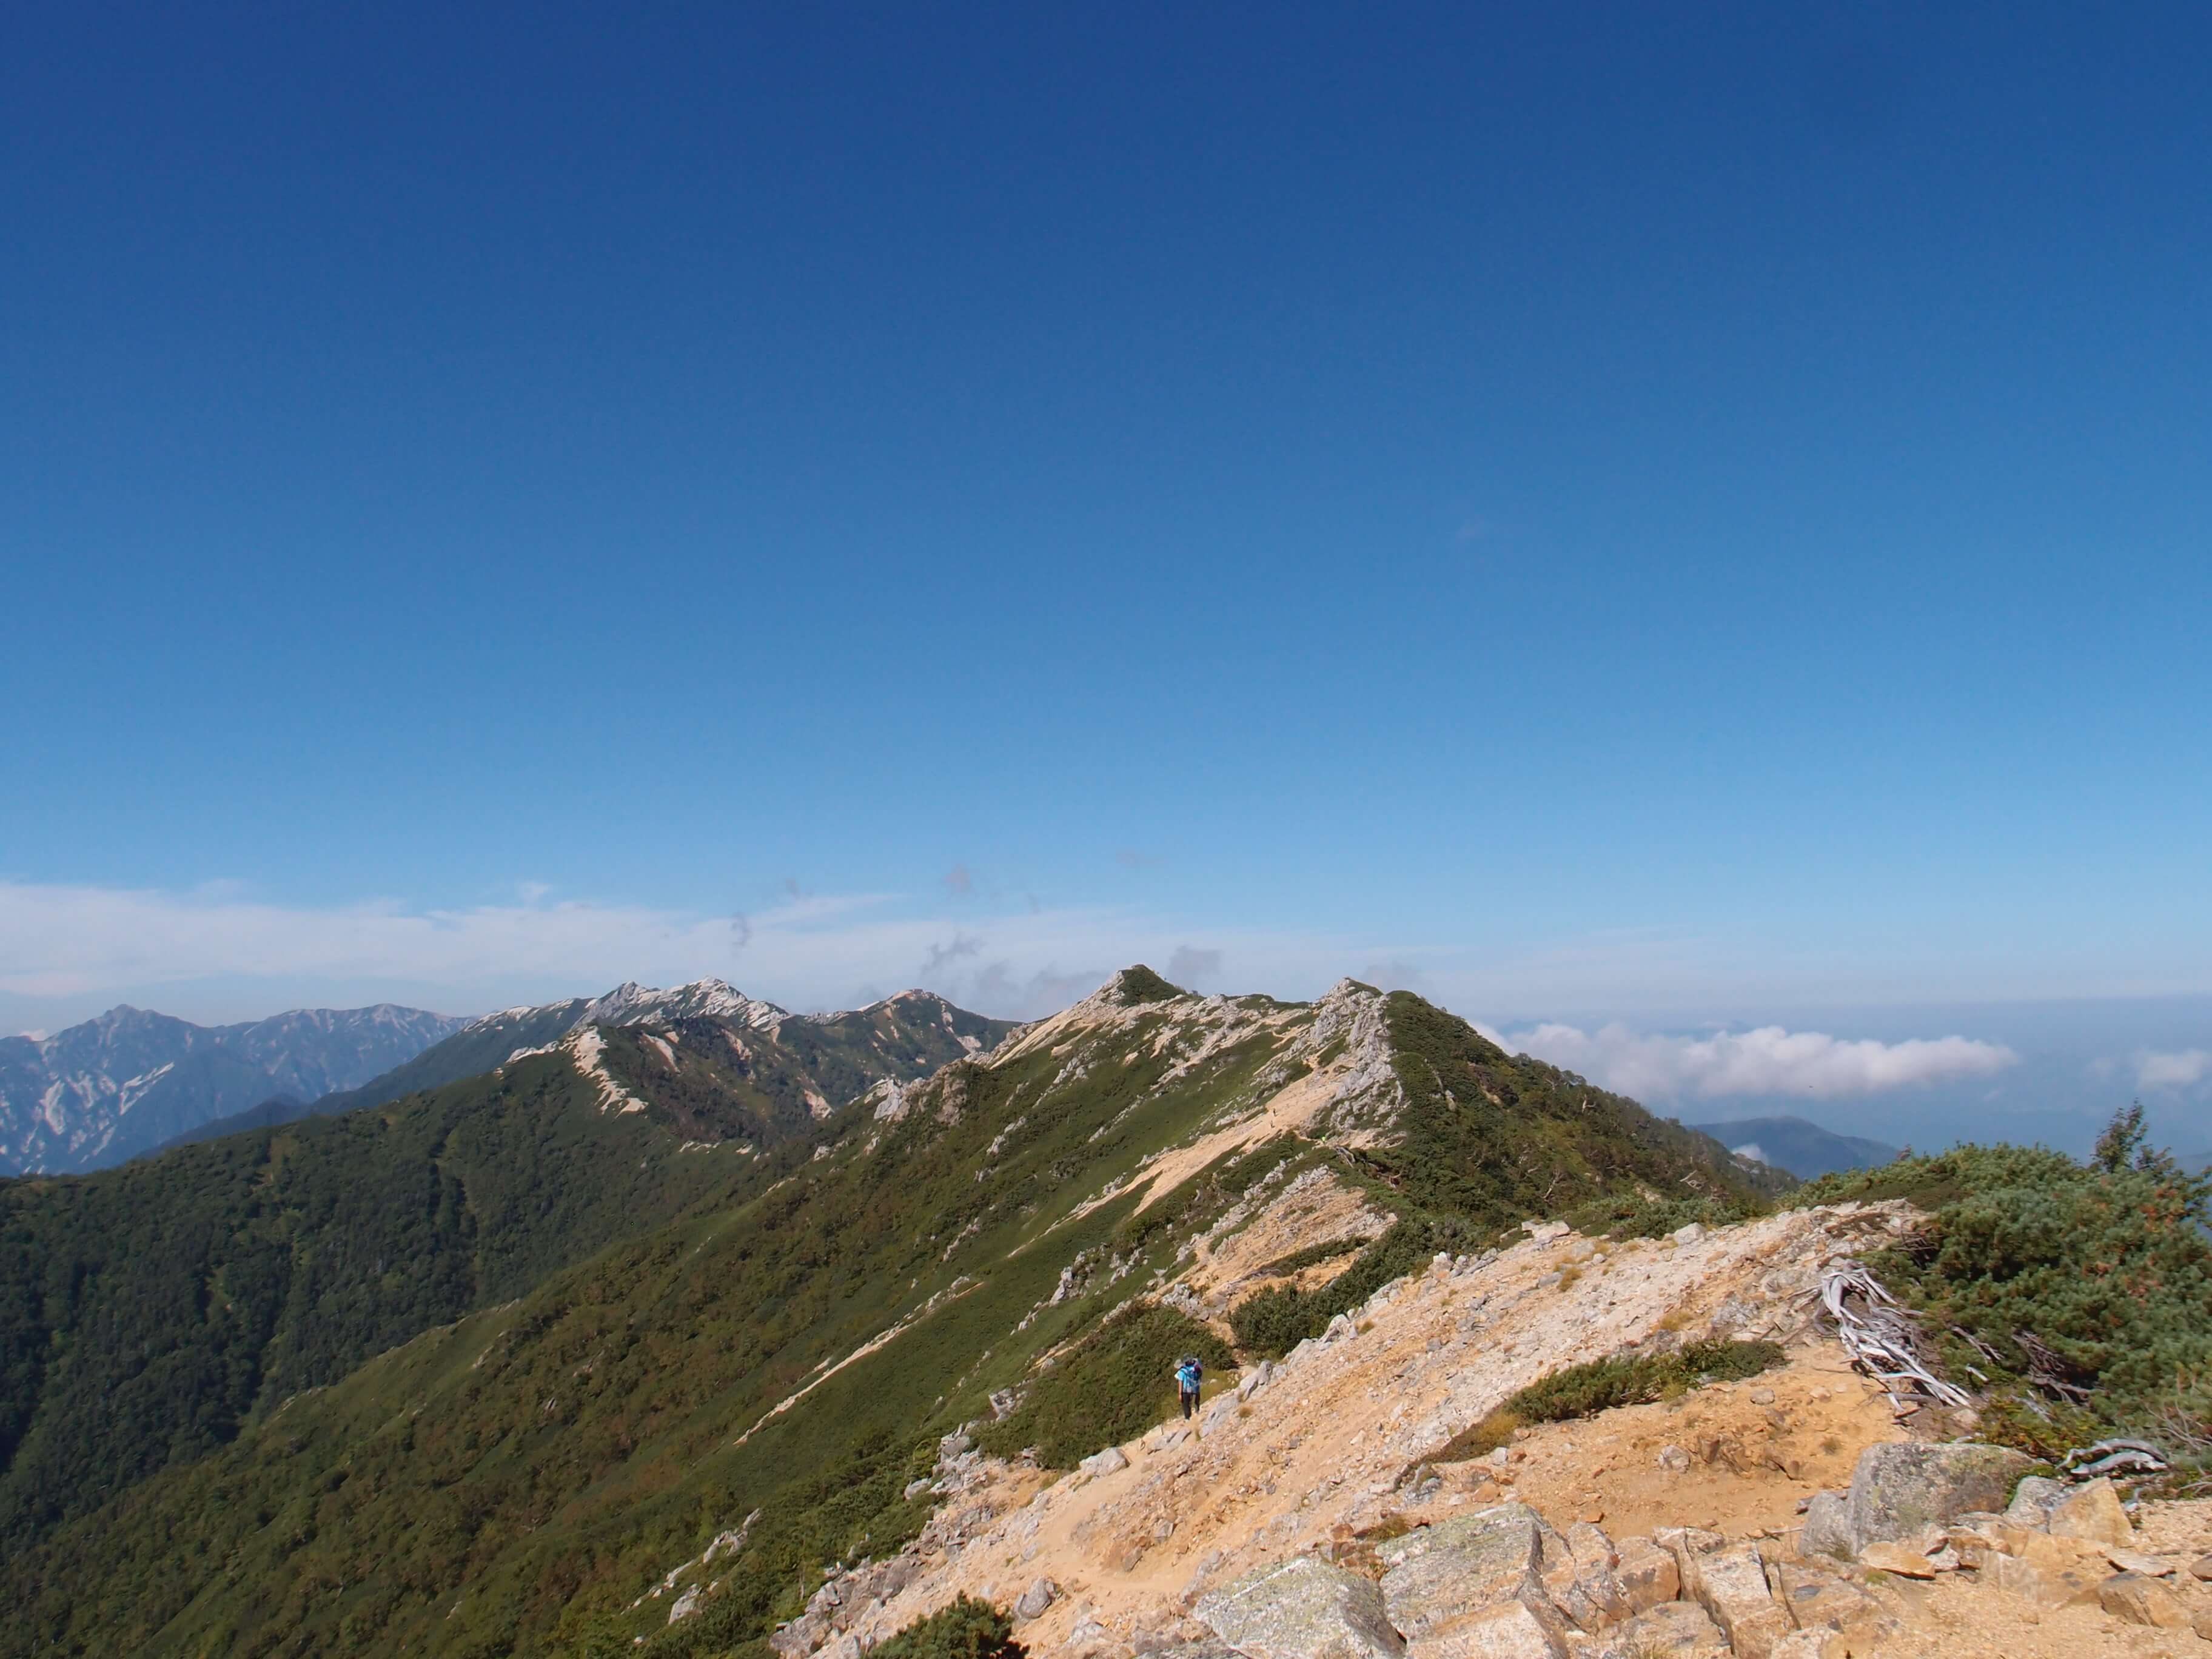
{"points": [[1321, 1448]]}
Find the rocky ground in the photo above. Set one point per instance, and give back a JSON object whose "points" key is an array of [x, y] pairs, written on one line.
{"points": [[1306, 1512]]}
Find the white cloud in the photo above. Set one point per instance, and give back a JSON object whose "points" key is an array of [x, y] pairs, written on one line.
{"points": [[2178, 1069], [228, 955], [1769, 1060]]}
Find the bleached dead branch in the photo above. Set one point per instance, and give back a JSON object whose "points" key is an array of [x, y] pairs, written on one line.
{"points": [[1882, 1336]]}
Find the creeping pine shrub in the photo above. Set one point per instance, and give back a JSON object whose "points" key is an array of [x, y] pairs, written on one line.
{"points": [[1116, 1382], [2106, 1264], [1312, 1255], [1632, 1215], [1273, 1321], [967, 1629], [1601, 1384]]}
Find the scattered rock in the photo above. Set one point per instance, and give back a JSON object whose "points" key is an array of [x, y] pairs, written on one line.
{"points": [[1527, 1627], [1899, 1491], [1902, 1559], [2152, 1566], [1301, 1608], [1032, 1601], [2049, 1582], [1689, 1235], [2201, 1568], [1730, 1583], [1762, 1396], [2093, 1512], [686, 1604], [1109, 1462], [1818, 1600], [2141, 1600], [1674, 1459], [1674, 1630], [1648, 1574], [2034, 1499], [1827, 1528]]}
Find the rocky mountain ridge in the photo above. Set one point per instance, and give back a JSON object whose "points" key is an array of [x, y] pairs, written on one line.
{"points": [[852, 1293], [128, 1081]]}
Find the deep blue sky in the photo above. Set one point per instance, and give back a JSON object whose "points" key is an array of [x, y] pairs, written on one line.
{"points": [[1595, 513]]}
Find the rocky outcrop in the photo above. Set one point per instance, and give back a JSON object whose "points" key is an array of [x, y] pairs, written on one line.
{"points": [[1301, 1608], [1899, 1492]]}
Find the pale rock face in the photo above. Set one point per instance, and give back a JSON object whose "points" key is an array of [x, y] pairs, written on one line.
{"points": [[2034, 1499], [1730, 1584], [2093, 1513], [1447, 1572], [1827, 1526], [2141, 1600], [1674, 1629], [1648, 1575], [1301, 1608]]}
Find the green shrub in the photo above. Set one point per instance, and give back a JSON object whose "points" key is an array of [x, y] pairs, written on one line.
{"points": [[1312, 1255], [967, 1629], [1632, 1215], [1114, 1385], [2106, 1265], [1273, 1321]]}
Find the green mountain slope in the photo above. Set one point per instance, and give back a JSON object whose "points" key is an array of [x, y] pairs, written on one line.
{"points": [[1806, 1150], [515, 1482], [146, 1313]]}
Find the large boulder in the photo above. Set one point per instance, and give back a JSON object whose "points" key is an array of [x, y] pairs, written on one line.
{"points": [[1032, 1601], [2093, 1513], [1442, 1574], [1526, 1627], [1730, 1584], [1301, 1608], [1674, 1630], [2034, 1499], [1899, 1492], [1827, 1529], [1648, 1575]]}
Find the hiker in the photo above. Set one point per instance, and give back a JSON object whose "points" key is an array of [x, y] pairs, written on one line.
{"points": [[1188, 1374]]}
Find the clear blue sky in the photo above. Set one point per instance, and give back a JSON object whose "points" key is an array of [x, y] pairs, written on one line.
{"points": [[1594, 512]]}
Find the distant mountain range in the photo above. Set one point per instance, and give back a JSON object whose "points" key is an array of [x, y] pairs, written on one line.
{"points": [[1805, 1149], [130, 1080], [840, 1054]]}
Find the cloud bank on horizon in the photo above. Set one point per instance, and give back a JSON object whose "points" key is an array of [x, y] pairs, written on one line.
{"points": [[1769, 1060]]}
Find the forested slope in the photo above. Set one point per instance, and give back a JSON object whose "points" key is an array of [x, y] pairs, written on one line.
{"points": [[147, 1312]]}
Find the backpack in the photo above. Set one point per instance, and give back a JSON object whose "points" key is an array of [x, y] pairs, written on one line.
{"points": [[1188, 1375]]}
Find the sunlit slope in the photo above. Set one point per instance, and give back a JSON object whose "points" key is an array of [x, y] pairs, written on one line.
{"points": [[514, 1482]]}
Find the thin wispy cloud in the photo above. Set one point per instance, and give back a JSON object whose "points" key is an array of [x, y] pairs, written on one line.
{"points": [[1769, 1060], [232, 954]]}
